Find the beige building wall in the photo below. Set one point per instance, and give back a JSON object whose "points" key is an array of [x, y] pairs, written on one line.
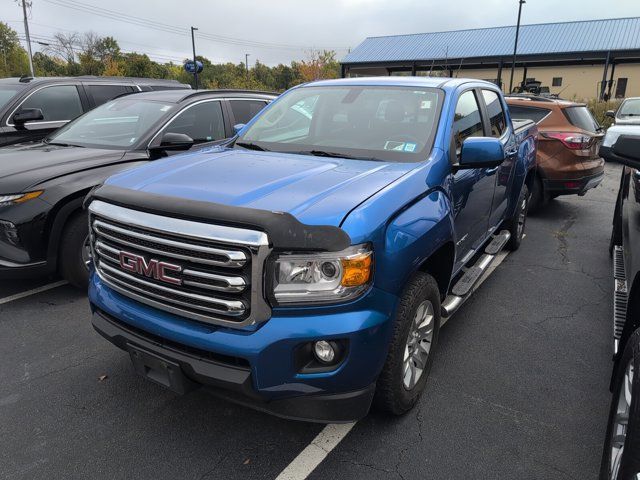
{"points": [[579, 82]]}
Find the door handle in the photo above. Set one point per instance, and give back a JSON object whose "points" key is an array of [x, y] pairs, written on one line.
{"points": [[490, 171], [512, 151]]}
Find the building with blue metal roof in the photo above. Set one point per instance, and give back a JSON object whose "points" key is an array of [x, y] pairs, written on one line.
{"points": [[583, 59]]}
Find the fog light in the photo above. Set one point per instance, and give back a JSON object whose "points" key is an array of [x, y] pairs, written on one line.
{"points": [[324, 351]]}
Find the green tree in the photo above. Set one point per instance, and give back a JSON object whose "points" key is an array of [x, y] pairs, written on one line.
{"points": [[13, 58]]}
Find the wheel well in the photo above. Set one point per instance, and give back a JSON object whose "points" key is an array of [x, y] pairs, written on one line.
{"points": [[59, 217], [530, 178], [440, 265]]}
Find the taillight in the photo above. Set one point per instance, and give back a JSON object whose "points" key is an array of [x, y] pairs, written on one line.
{"points": [[573, 141]]}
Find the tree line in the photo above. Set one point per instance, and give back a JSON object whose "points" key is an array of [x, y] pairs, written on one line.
{"points": [[73, 54]]}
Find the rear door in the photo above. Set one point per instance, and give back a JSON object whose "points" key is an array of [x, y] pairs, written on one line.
{"points": [[496, 119], [472, 189], [60, 103], [101, 93], [244, 109]]}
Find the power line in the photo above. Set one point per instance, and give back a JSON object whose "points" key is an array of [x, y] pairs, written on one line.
{"points": [[155, 25]]}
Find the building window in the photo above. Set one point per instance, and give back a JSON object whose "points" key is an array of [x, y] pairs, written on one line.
{"points": [[621, 88], [556, 82]]}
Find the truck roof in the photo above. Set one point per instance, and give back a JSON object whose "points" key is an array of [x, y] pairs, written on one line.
{"points": [[433, 82]]}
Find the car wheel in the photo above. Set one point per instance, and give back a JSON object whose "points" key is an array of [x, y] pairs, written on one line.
{"points": [[517, 223], [621, 453], [538, 196], [74, 254], [416, 326]]}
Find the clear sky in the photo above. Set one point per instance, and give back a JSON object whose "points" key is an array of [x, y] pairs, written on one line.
{"points": [[284, 30]]}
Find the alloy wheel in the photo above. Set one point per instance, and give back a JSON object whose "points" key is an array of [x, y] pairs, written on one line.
{"points": [[418, 345]]}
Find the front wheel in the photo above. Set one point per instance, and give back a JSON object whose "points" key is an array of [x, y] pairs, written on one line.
{"points": [[621, 453], [415, 335], [73, 254], [516, 224]]}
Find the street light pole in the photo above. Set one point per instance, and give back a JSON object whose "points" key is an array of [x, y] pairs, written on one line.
{"points": [[246, 62], [515, 46], [195, 65], [26, 34]]}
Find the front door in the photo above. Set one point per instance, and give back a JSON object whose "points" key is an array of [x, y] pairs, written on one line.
{"points": [[472, 189]]}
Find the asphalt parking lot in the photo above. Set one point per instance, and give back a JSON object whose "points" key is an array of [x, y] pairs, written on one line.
{"points": [[519, 388]]}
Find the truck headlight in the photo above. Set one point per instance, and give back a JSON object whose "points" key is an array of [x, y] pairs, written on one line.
{"points": [[322, 277], [18, 197]]}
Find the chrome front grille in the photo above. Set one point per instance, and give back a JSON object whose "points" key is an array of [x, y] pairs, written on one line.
{"points": [[210, 273]]}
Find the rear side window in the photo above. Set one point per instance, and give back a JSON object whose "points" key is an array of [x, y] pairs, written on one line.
{"points": [[528, 113], [495, 112], [581, 117], [467, 121], [102, 93], [245, 110], [57, 103]]}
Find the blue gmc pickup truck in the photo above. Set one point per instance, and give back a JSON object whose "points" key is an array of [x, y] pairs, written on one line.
{"points": [[305, 268]]}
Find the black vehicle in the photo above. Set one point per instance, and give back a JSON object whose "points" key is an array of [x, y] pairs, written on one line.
{"points": [[31, 108], [621, 455], [42, 225]]}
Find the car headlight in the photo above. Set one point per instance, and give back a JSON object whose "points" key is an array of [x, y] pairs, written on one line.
{"points": [[18, 197], [313, 278]]}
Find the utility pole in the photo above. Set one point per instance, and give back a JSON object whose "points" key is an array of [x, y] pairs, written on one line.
{"points": [[246, 62], [195, 65], [26, 34], [515, 46]]}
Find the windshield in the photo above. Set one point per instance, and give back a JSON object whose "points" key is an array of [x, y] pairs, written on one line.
{"points": [[630, 108], [7, 92], [118, 124], [366, 122]]}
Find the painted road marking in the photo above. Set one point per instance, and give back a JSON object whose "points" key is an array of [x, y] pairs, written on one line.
{"points": [[307, 461], [331, 435], [34, 291]]}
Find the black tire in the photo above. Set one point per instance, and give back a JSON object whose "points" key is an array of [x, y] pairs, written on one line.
{"points": [[630, 459], [538, 196], [516, 224], [71, 262], [391, 394]]}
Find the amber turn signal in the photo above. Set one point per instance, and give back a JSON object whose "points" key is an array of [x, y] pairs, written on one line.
{"points": [[356, 270]]}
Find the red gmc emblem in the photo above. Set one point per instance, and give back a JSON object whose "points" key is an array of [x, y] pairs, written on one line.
{"points": [[152, 268]]}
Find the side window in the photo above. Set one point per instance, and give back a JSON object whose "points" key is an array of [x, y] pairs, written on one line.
{"points": [[245, 110], [57, 103], [102, 93], [495, 112], [467, 121], [528, 113], [202, 122]]}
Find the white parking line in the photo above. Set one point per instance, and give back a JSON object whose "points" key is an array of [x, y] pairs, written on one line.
{"points": [[307, 461], [331, 435], [28, 293]]}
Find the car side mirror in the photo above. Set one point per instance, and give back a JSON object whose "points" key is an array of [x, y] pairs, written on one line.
{"points": [[27, 115], [481, 152], [610, 113], [174, 142], [626, 151], [237, 127]]}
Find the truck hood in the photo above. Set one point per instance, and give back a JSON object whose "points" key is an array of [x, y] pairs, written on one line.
{"points": [[316, 190], [25, 166]]}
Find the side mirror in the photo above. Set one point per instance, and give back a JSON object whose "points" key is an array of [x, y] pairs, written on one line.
{"points": [[626, 151], [481, 152], [237, 127], [610, 113], [27, 115], [175, 142]]}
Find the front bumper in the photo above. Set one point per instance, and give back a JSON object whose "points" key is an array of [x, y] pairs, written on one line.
{"points": [[256, 367]]}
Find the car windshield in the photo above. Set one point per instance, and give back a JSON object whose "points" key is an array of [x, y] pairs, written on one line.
{"points": [[7, 92], [630, 108], [118, 124], [394, 124]]}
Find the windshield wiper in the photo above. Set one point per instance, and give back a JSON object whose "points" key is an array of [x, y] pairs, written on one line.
{"points": [[323, 153], [60, 144], [251, 146]]}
